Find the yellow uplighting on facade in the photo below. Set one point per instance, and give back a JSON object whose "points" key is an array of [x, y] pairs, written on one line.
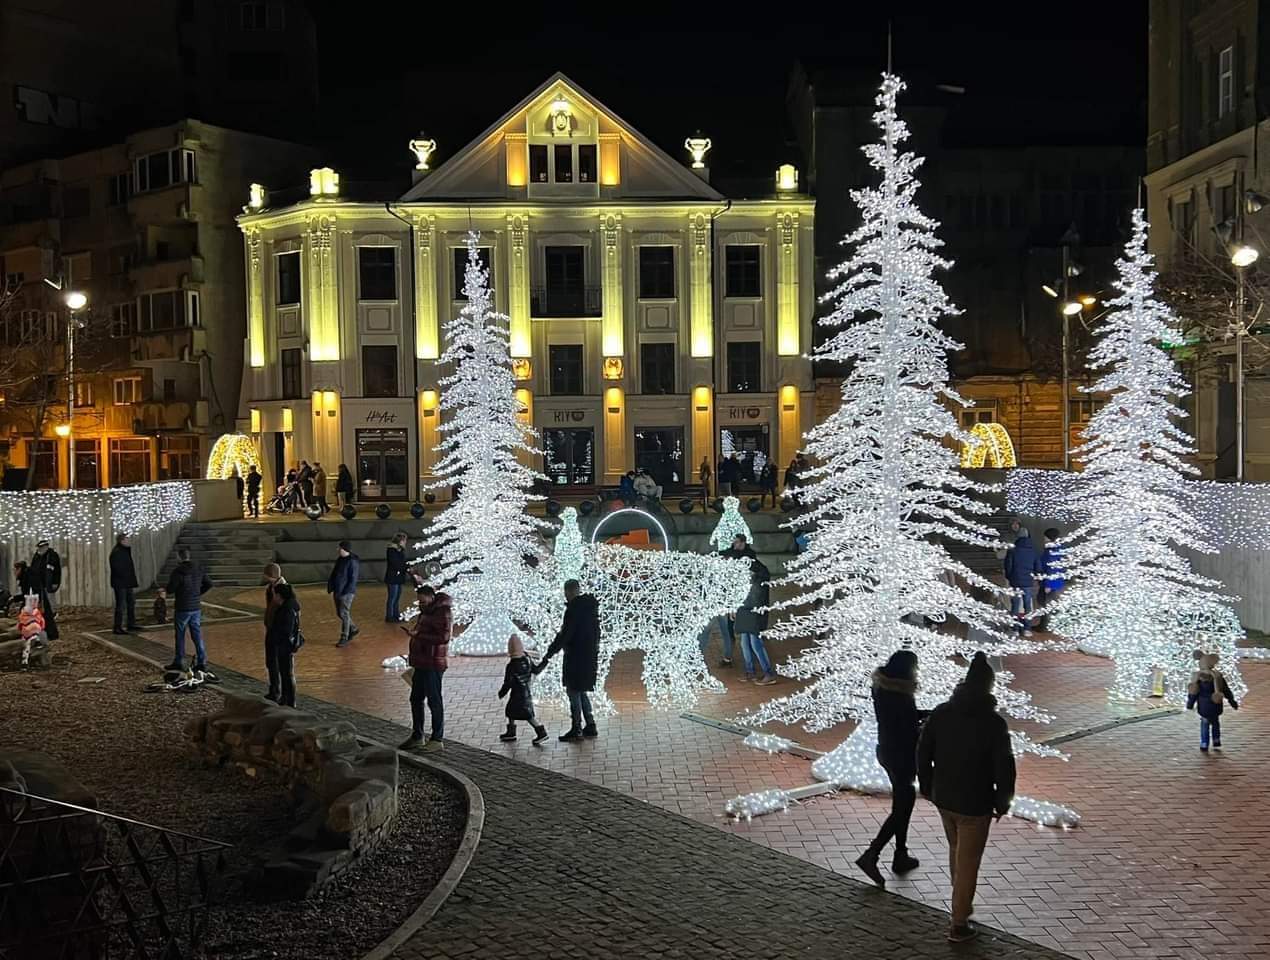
{"points": [[255, 420], [230, 452], [324, 182], [423, 150], [255, 197], [429, 399], [989, 445], [610, 159], [329, 399], [288, 420], [786, 177], [697, 148], [612, 368], [522, 368], [63, 430], [517, 160]]}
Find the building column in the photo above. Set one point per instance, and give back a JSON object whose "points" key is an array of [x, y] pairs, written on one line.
{"points": [[615, 459], [525, 398], [427, 326], [326, 429], [787, 319], [255, 298], [322, 303], [702, 430], [790, 424], [612, 336], [518, 284], [700, 283], [429, 420]]}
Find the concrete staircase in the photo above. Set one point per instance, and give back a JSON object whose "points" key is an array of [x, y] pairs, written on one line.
{"points": [[233, 553]]}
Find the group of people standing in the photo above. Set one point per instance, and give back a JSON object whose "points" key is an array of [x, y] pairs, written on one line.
{"points": [[749, 621], [732, 472], [41, 577], [305, 486]]}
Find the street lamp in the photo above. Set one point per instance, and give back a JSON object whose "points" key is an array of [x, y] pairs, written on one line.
{"points": [[1242, 257], [63, 430], [75, 301]]}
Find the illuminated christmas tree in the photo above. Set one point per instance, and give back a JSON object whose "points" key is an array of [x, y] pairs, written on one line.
{"points": [[483, 539], [730, 524], [886, 491], [568, 549], [1131, 593]]}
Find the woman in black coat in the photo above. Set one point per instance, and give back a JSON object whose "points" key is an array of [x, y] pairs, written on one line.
{"points": [[899, 723], [280, 640], [344, 485]]}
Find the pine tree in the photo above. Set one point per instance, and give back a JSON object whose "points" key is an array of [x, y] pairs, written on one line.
{"points": [[730, 524], [884, 490], [482, 540], [1130, 592]]}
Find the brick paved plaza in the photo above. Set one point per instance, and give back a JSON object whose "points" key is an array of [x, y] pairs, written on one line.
{"points": [[1169, 861]]}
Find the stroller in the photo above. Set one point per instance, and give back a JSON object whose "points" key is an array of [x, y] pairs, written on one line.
{"points": [[288, 499]]}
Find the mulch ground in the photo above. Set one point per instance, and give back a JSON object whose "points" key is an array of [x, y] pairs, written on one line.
{"points": [[126, 747]]}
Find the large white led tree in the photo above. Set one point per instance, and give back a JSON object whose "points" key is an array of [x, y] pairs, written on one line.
{"points": [[1131, 593], [884, 491], [482, 539]]}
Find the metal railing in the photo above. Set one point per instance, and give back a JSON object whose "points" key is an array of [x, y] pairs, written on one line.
{"points": [[79, 884]]}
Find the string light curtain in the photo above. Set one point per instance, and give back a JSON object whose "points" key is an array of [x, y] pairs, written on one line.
{"points": [[78, 514], [1131, 594]]}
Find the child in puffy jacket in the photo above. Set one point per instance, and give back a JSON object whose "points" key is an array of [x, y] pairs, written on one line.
{"points": [[1205, 693], [31, 626], [518, 681]]}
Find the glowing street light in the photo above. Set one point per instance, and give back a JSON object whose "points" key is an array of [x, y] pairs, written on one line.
{"points": [[63, 430], [1072, 307], [76, 300], [1244, 256]]}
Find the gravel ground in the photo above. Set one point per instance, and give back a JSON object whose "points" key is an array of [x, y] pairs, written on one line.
{"points": [[126, 747]]}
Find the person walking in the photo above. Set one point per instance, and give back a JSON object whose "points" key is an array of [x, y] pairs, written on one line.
{"points": [[253, 491], [899, 723], [319, 487], [186, 587], [396, 575], [751, 621], [704, 473], [240, 488], [273, 579], [342, 586], [729, 473], [282, 640], [123, 581], [1205, 693], [579, 638], [518, 681], [1022, 568], [429, 657], [767, 483], [343, 486], [45, 575], [965, 766], [305, 476]]}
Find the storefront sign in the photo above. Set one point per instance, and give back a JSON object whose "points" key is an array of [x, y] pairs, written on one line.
{"points": [[744, 413], [381, 416], [568, 416]]}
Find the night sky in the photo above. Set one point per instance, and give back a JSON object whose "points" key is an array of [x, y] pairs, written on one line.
{"points": [[391, 70]]}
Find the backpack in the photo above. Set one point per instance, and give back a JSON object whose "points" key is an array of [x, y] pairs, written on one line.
{"points": [[297, 639]]}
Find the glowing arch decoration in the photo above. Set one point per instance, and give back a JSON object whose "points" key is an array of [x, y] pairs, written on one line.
{"points": [[232, 451], [665, 538], [989, 445]]}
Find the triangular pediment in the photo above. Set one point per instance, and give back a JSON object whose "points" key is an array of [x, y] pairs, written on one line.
{"points": [[561, 145]]}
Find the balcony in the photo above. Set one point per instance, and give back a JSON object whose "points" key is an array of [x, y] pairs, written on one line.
{"points": [[565, 302], [180, 343], [170, 274], [176, 203]]}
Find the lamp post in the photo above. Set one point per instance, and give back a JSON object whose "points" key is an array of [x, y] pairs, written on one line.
{"points": [[75, 301], [1242, 257]]}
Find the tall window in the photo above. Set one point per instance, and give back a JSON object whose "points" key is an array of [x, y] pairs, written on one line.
{"points": [[127, 390], [1184, 222], [657, 367], [180, 453], [120, 188], [656, 273], [586, 163], [288, 278], [291, 376], [565, 361], [744, 271], [379, 371], [83, 393], [129, 460], [158, 170], [538, 172], [377, 273], [564, 163], [743, 366], [1226, 82], [1225, 203], [122, 319], [42, 457], [167, 310], [460, 268]]}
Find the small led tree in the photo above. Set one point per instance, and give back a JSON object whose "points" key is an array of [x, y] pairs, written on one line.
{"points": [[730, 524], [482, 540], [1130, 592], [568, 549]]}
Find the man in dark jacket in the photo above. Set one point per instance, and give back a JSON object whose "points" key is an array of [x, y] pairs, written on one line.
{"points": [[123, 581], [579, 638], [186, 587], [429, 656], [342, 586], [750, 623], [1022, 567], [280, 638], [396, 575], [253, 491], [965, 766], [45, 572]]}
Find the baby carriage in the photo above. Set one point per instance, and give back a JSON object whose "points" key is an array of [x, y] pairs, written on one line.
{"points": [[288, 498]]}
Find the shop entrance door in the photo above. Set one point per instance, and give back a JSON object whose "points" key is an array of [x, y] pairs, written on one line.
{"points": [[660, 451], [382, 473], [751, 449], [569, 456]]}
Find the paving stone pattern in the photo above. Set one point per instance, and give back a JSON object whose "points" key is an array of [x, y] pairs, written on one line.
{"points": [[569, 869]]}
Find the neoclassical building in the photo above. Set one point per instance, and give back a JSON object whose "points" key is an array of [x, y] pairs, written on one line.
{"points": [[654, 321]]}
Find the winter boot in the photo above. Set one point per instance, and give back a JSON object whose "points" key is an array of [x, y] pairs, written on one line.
{"points": [[540, 734], [868, 862], [510, 735]]}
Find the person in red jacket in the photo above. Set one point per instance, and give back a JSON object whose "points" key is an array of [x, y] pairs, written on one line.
{"points": [[429, 645]]}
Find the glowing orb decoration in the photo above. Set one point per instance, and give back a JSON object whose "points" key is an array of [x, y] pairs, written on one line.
{"points": [[230, 452], [665, 538], [987, 444]]}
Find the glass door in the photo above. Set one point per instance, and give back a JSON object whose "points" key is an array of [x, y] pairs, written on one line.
{"points": [[749, 444], [660, 451], [569, 456], [382, 473]]}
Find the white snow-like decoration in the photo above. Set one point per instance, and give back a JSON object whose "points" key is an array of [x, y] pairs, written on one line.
{"points": [[1130, 592], [767, 742], [483, 539], [885, 491], [751, 805], [730, 524], [1043, 813]]}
